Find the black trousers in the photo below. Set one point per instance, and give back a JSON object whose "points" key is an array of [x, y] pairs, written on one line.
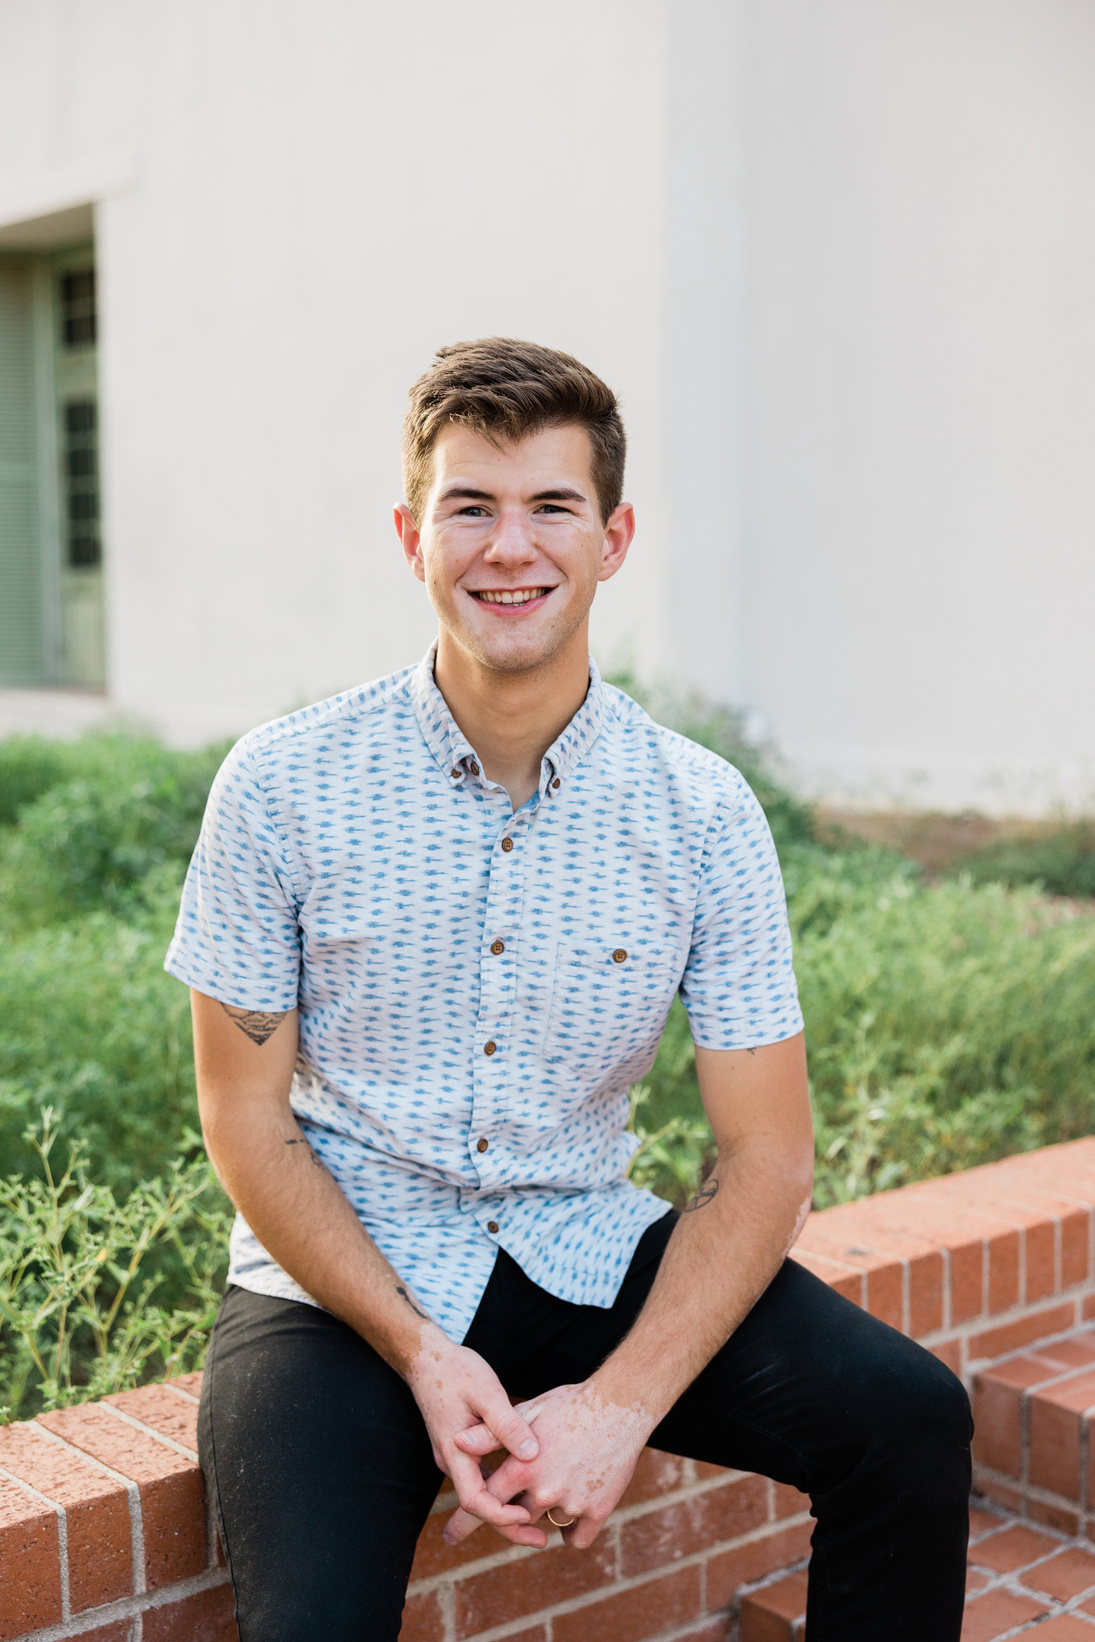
{"points": [[321, 1469]]}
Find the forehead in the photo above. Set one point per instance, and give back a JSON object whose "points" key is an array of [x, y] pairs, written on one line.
{"points": [[552, 456]]}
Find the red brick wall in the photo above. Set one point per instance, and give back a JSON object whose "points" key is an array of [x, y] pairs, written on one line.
{"points": [[104, 1532]]}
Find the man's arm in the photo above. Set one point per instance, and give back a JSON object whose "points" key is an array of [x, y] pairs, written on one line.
{"points": [[726, 1248], [245, 1061]]}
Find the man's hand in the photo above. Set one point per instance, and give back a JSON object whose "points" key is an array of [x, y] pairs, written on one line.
{"points": [[589, 1448], [456, 1389]]}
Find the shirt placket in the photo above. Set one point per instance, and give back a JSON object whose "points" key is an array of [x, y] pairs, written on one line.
{"points": [[492, 1045]]}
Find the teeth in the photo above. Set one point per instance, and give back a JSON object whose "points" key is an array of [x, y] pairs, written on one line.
{"points": [[522, 596]]}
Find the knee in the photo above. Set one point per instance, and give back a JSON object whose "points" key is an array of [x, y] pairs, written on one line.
{"points": [[926, 1426]]}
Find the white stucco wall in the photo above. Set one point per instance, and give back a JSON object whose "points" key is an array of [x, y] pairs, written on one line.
{"points": [[835, 257]]}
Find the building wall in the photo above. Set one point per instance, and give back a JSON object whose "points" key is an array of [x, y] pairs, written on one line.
{"points": [[835, 259]]}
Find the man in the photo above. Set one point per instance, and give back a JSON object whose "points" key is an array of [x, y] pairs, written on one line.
{"points": [[433, 928]]}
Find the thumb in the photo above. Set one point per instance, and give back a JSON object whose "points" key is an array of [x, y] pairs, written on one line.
{"points": [[506, 1426]]}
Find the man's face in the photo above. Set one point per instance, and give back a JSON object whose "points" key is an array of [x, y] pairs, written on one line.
{"points": [[511, 545]]}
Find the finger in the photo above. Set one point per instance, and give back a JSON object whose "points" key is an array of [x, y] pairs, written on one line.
{"points": [[506, 1425], [584, 1532], [462, 1524], [477, 1439], [476, 1499]]}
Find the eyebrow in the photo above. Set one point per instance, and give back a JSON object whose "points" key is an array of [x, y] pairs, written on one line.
{"points": [[562, 493]]}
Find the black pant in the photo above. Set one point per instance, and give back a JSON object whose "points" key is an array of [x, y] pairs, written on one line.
{"points": [[322, 1473]]}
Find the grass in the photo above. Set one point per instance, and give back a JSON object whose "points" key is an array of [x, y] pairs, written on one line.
{"points": [[948, 1023]]}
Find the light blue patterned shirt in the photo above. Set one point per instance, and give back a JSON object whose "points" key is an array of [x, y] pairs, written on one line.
{"points": [[478, 988]]}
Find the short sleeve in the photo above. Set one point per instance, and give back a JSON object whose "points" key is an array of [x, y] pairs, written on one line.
{"points": [[237, 937], [739, 983]]}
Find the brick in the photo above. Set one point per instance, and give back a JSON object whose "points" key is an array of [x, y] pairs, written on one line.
{"points": [[947, 1225], [787, 1501], [628, 1616], [884, 1275], [1015, 1548], [983, 1522], [1076, 1352], [771, 1614], [100, 1540], [996, 1342], [1065, 1628], [191, 1384], [1010, 1498], [1054, 1516], [208, 1616], [171, 1489], [118, 1632], [1064, 1575], [995, 1614], [656, 1473], [844, 1279], [975, 1581], [849, 1233], [729, 1570], [949, 1352], [423, 1620], [30, 1556], [1056, 1419], [693, 1524], [539, 1580], [167, 1414], [432, 1555]]}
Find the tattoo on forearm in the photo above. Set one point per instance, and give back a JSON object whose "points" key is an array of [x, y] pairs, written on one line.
{"points": [[706, 1194], [257, 1023], [400, 1290], [312, 1153]]}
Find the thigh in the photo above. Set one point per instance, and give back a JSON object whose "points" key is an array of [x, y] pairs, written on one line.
{"points": [[321, 1470]]}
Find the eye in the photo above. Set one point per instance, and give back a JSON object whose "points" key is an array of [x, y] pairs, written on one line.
{"points": [[472, 511], [552, 507]]}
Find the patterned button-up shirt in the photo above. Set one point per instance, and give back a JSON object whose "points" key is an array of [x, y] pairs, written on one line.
{"points": [[477, 987]]}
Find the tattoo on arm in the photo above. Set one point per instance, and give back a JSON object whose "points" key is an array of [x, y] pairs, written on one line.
{"points": [[256, 1023], [416, 1309], [706, 1194], [312, 1153]]}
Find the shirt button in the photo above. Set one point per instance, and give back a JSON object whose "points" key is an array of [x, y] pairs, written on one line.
{"points": [[473, 767], [489, 1047], [455, 774], [555, 783], [492, 1225], [507, 844], [481, 1145], [619, 956], [498, 947]]}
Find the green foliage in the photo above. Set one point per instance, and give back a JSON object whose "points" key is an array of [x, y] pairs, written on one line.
{"points": [[96, 1292], [946, 1024], [1061, 862], [124, 807]]}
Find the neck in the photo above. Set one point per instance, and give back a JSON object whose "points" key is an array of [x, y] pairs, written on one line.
{"points": [[511, 719]]}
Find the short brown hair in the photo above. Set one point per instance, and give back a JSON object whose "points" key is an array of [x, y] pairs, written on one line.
{"points": [[509, 389]]}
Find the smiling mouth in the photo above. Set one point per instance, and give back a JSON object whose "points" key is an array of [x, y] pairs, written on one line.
{"points": [[516, 595]]}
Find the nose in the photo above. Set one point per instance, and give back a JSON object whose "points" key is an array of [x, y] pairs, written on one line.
{"points": [[511, 544]]}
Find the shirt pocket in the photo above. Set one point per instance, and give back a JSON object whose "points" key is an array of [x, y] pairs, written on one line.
{"points": [[609, 1005]]}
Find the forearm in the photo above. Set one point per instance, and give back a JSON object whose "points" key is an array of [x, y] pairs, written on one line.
{"points": [[726, 1248], [301, 1217]]}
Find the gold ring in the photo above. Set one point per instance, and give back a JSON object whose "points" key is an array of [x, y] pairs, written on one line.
{"points": [[569, 1522]]}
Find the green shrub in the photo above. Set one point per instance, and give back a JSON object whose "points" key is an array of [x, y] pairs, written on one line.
{"points": [[89, 840], [1061, 862], [99, 1293]]}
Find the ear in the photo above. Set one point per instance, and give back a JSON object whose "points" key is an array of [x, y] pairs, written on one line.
{"points": [[619, 532], [408, 533]]}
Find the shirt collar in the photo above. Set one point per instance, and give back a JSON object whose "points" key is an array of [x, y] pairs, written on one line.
{"points": [[454, 753]]}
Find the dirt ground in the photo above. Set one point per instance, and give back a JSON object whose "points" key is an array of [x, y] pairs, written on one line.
{"points": [[932, 839]]}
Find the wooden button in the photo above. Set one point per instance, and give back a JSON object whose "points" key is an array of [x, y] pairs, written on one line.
{"points": [[619, 956], [473, 767], [507, 844], [455, 774], [492, 1225], [481, 1145], [498, 947], [489, 1047], [555, 783]]}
